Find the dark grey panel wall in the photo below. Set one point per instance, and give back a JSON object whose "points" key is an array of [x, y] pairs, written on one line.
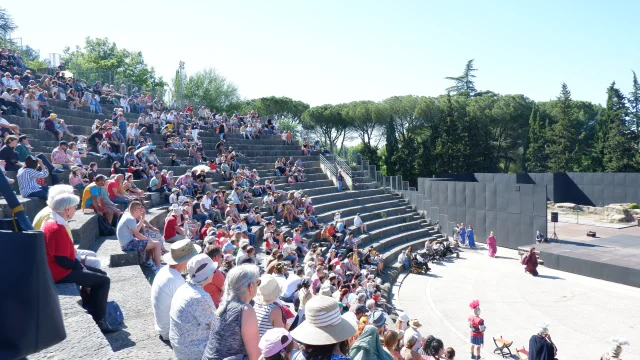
{"points": [[513, 211]]}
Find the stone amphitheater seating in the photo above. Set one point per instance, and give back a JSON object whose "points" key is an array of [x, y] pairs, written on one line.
{"points": [[392, 226]]}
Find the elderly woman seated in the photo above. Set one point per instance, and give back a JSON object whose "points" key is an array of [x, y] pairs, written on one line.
{"points": [[66, 268]]}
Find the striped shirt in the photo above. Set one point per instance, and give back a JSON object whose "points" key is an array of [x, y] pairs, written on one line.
{"points": [[263, 313], [27, 180]]}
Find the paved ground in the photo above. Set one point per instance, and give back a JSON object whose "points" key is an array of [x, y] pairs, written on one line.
{"points": [[567, 231], [584, 313]]}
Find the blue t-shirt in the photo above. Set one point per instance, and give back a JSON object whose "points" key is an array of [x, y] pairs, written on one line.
{"points": [[94, 191]]}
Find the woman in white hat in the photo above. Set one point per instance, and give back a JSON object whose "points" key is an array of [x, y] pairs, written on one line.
{"points": [[325, 333], [235, 329], [269, 313], [402, 322], [192, 310]]}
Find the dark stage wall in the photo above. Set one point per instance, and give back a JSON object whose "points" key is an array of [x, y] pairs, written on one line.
{"points": [[513, 211], [593, 189]]}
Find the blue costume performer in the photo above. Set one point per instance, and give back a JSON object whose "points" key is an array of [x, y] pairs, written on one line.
{"points": [[470, 238]]}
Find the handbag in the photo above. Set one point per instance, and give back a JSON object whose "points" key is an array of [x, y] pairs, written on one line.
{"points": [[104, 228], [32, 320], [113, 317]]}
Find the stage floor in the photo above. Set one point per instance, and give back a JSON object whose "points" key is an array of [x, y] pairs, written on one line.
{"points": [[583, 313], [615, 258]]}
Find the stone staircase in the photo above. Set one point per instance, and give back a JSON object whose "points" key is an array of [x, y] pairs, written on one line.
{"points": [[392, 223]]}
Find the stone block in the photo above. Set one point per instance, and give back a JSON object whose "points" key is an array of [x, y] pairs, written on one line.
{"points": [[124, 259]]}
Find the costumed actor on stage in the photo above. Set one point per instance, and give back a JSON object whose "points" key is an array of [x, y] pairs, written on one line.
{"points": [[616, 350], [541, 347], [477, 329]]}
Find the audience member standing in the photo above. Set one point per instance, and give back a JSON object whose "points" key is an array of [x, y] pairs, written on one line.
{"points": [[167, 281]]}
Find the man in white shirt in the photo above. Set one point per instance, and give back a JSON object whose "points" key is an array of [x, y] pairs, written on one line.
{"points": [[213, 213], [357, 221], [291, 285], [167, 282]]}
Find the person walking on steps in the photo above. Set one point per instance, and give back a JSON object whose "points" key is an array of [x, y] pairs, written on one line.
{"points": [[340, 179]]}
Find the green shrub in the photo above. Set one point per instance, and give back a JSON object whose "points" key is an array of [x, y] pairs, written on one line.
{"points": [[633, 206]]}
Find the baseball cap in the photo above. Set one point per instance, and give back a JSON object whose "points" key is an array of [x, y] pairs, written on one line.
{"points": [[274, 341], [228, 247]]}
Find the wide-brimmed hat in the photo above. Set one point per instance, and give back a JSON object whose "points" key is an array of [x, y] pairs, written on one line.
{"points": [[200, 267], [323, 325], [378, 318], [414, 323], [175, 210], [268, 291], [181, 251]]}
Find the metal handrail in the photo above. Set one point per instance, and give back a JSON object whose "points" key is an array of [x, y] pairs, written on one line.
{"points": [[329, 165], [346, 169]]}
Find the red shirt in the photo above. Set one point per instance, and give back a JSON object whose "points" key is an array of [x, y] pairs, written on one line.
{"points": [[112, 187], [57, 243], [203, 232], [212, 166], [474, 323], [170, 227], [214, 288]]}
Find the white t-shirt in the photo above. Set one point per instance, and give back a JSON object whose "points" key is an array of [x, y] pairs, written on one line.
{"points": [[291, 285], [357, 221], [287, 249], [165, 284], [206, 203]]}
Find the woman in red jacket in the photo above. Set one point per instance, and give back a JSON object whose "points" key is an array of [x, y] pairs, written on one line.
{"points": [[65, 268]]}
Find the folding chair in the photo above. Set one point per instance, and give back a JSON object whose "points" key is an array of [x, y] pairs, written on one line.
{"points": [[523, 354], [502, 346]]}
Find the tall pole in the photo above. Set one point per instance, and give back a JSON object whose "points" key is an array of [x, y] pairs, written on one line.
{"points": [[180, 75]]}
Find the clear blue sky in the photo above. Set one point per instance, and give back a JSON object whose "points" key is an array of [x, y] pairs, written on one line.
{"points": [[340, 51]]}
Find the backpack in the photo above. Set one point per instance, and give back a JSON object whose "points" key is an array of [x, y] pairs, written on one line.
{"points": [[105, 229], [113, 317], [524, 260]]}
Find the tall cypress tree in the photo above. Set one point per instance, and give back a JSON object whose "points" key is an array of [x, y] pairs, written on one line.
{"points": [[536, 155], [634, 107], [561, 137], [618, 147], [391, 148]]}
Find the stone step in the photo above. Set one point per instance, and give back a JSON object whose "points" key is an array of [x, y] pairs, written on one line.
{"points": [[350, 203], [84, 339]]}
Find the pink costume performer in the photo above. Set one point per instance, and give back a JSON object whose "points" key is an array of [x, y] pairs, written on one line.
{"points": [[491, 244]]}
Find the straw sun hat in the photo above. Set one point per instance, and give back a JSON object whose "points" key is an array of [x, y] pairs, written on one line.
{"points": [[268, 291], [323, 325]]}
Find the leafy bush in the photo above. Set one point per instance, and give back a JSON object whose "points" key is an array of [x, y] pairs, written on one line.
{"points": [[633, 206]]}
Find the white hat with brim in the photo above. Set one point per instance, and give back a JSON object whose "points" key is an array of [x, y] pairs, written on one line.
{"points": [[403, 317], [268, 291], [181, 251], [200, 267], [323, 325]]}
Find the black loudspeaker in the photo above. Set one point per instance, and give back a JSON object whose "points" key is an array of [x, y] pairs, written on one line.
{"points": [[554, 217]]}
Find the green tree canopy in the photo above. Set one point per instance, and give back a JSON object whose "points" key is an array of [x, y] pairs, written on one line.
{"points": [[327, 122], [209, 88], [100, 59], [282, 107]]}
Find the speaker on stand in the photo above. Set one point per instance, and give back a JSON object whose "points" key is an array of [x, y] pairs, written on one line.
{"points": [[554, 220]]}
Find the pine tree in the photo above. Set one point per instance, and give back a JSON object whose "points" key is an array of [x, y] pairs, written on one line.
{"points": [[619, 152], [391, 148], [464, 83], [536, 155], [561, 137]]}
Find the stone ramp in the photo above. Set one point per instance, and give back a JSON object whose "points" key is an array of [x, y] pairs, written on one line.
{"points": [[84, 339]]}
